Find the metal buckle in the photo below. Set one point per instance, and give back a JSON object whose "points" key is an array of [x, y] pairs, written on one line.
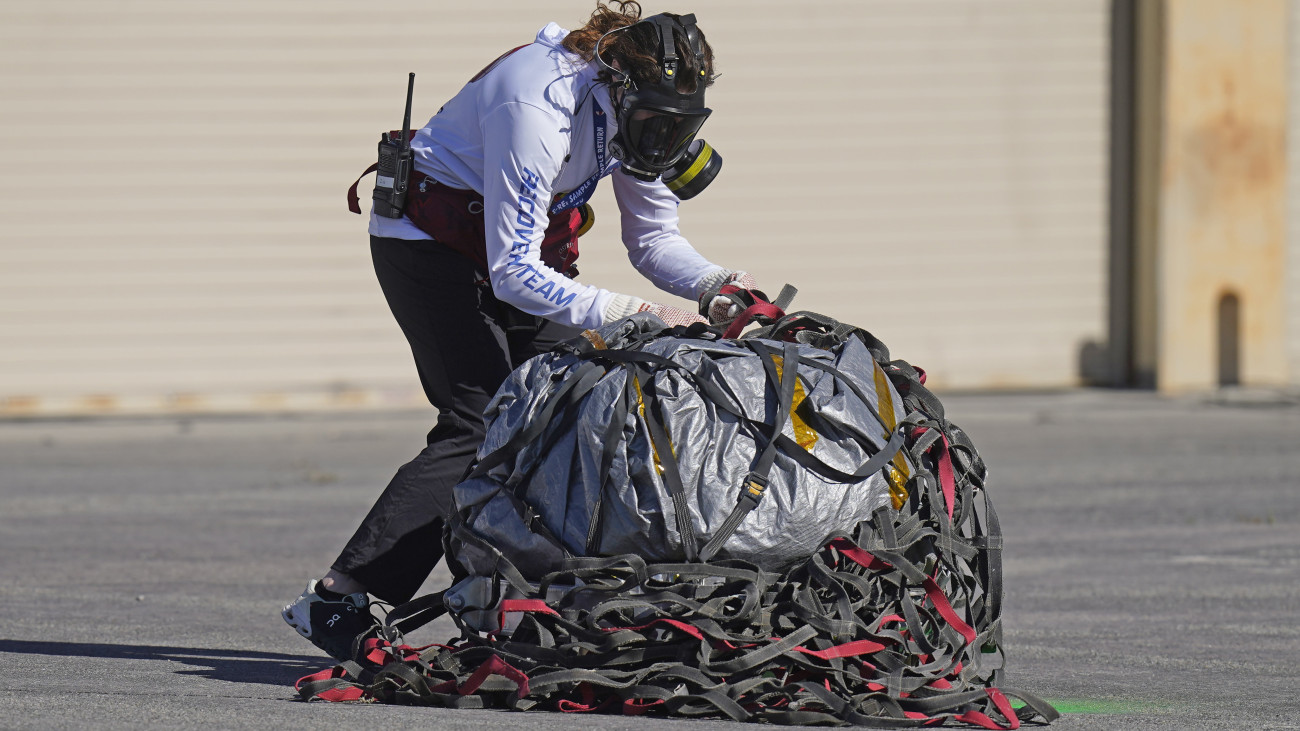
{"points": [[752, 489]]}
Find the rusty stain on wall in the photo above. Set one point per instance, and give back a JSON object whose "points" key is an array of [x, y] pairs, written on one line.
{"points": [[1229, 160], [19, 406], [99, 403], [1222, 194]]}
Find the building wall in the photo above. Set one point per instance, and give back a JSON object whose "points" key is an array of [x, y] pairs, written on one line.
{"points": [[1222, 195], [173, 235], [1293, 194]]}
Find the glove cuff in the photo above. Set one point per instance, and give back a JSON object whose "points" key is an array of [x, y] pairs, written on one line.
{"points": [[622, 305], [710, 283]]}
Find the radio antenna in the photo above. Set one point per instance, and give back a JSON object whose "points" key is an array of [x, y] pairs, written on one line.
{"points": [[406, 118]]}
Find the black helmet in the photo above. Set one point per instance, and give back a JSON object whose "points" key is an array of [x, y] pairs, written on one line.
{"points": [[656, 122]]}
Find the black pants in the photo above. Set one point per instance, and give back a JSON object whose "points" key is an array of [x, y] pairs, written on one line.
{"points": [[465, 343]]}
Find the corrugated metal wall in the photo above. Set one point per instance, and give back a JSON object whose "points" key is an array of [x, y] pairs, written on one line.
{"points": [[173, 235]]}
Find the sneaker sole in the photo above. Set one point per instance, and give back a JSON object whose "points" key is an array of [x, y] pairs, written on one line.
{"points": [[299, 627]]}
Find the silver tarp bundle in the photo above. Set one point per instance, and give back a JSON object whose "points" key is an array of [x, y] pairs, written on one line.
{"points": [[588, 476], [783, 527]]}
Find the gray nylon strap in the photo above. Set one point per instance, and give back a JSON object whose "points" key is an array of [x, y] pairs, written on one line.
{"points": [[584, 377], [756, 481], [670, 473], [785, 297]]}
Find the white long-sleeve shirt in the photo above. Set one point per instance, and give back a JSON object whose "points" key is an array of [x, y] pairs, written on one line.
{"points": [[519, 134]]}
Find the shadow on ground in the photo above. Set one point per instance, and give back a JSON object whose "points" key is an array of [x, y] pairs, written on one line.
{"points": [[236, 666]]}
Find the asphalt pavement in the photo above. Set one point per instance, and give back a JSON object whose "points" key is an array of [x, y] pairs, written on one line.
{"points": [[1152, 562]]}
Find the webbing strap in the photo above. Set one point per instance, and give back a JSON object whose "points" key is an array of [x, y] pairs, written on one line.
{"points": [[584, 377], [458, 530], [332, 684], [611, 440], [757, 310], [677, 662], [417, 612], [667, 461], [754, 306], [755, 483], [354, 200], [655, 361], [874, 464], [785, 297], [787, 446]]}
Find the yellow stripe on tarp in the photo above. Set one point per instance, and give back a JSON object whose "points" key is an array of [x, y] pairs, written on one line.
{"points": [[804, 435], [693, 170], [898, 471], [640, 406]]}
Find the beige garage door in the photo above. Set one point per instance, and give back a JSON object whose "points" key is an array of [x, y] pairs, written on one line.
{"points": [[173, 235]]}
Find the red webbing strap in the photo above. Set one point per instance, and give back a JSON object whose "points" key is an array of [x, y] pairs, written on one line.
{"points": [[946, 611], [495, 666], [979, 719], [851, 551], [522, 605], [354, 202], [689, 629], [589, 702], [329, 685], [891, 619], [848, 649], [1004, 707], [376, 651], [639, 706], [760, 308], [763, 309], [863, 558], [946, 478], [380, 652]]}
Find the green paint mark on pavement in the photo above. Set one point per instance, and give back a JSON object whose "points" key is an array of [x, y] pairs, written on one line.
{"points": [[1082, 705]]}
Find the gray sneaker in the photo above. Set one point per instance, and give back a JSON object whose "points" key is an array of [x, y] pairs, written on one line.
{"points": [[331, 625]]}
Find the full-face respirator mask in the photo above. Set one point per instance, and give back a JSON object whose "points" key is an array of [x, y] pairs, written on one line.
{"points": [[657, 123]]}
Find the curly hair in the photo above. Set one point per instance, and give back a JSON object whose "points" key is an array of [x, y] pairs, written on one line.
{"points": [[637, 49]]}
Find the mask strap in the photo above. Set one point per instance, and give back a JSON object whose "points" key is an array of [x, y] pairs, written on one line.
{"points": [[687, 24], [667, 45]]}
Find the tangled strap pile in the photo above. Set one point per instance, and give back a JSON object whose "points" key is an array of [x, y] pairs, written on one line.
{"points": [[895, 625]]}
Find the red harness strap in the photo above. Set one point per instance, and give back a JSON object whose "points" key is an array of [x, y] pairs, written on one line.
{"points": [[354, 201], [332, 685], [761, 308], [522, 605], [495, 666], [943, 460], [454, 218], [870, 561]]}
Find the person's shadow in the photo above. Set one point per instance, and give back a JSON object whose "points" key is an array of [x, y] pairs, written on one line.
{"points": [[239, 666]]}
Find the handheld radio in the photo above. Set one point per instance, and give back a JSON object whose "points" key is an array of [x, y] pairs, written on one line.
{"points": [[394, 170]]}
